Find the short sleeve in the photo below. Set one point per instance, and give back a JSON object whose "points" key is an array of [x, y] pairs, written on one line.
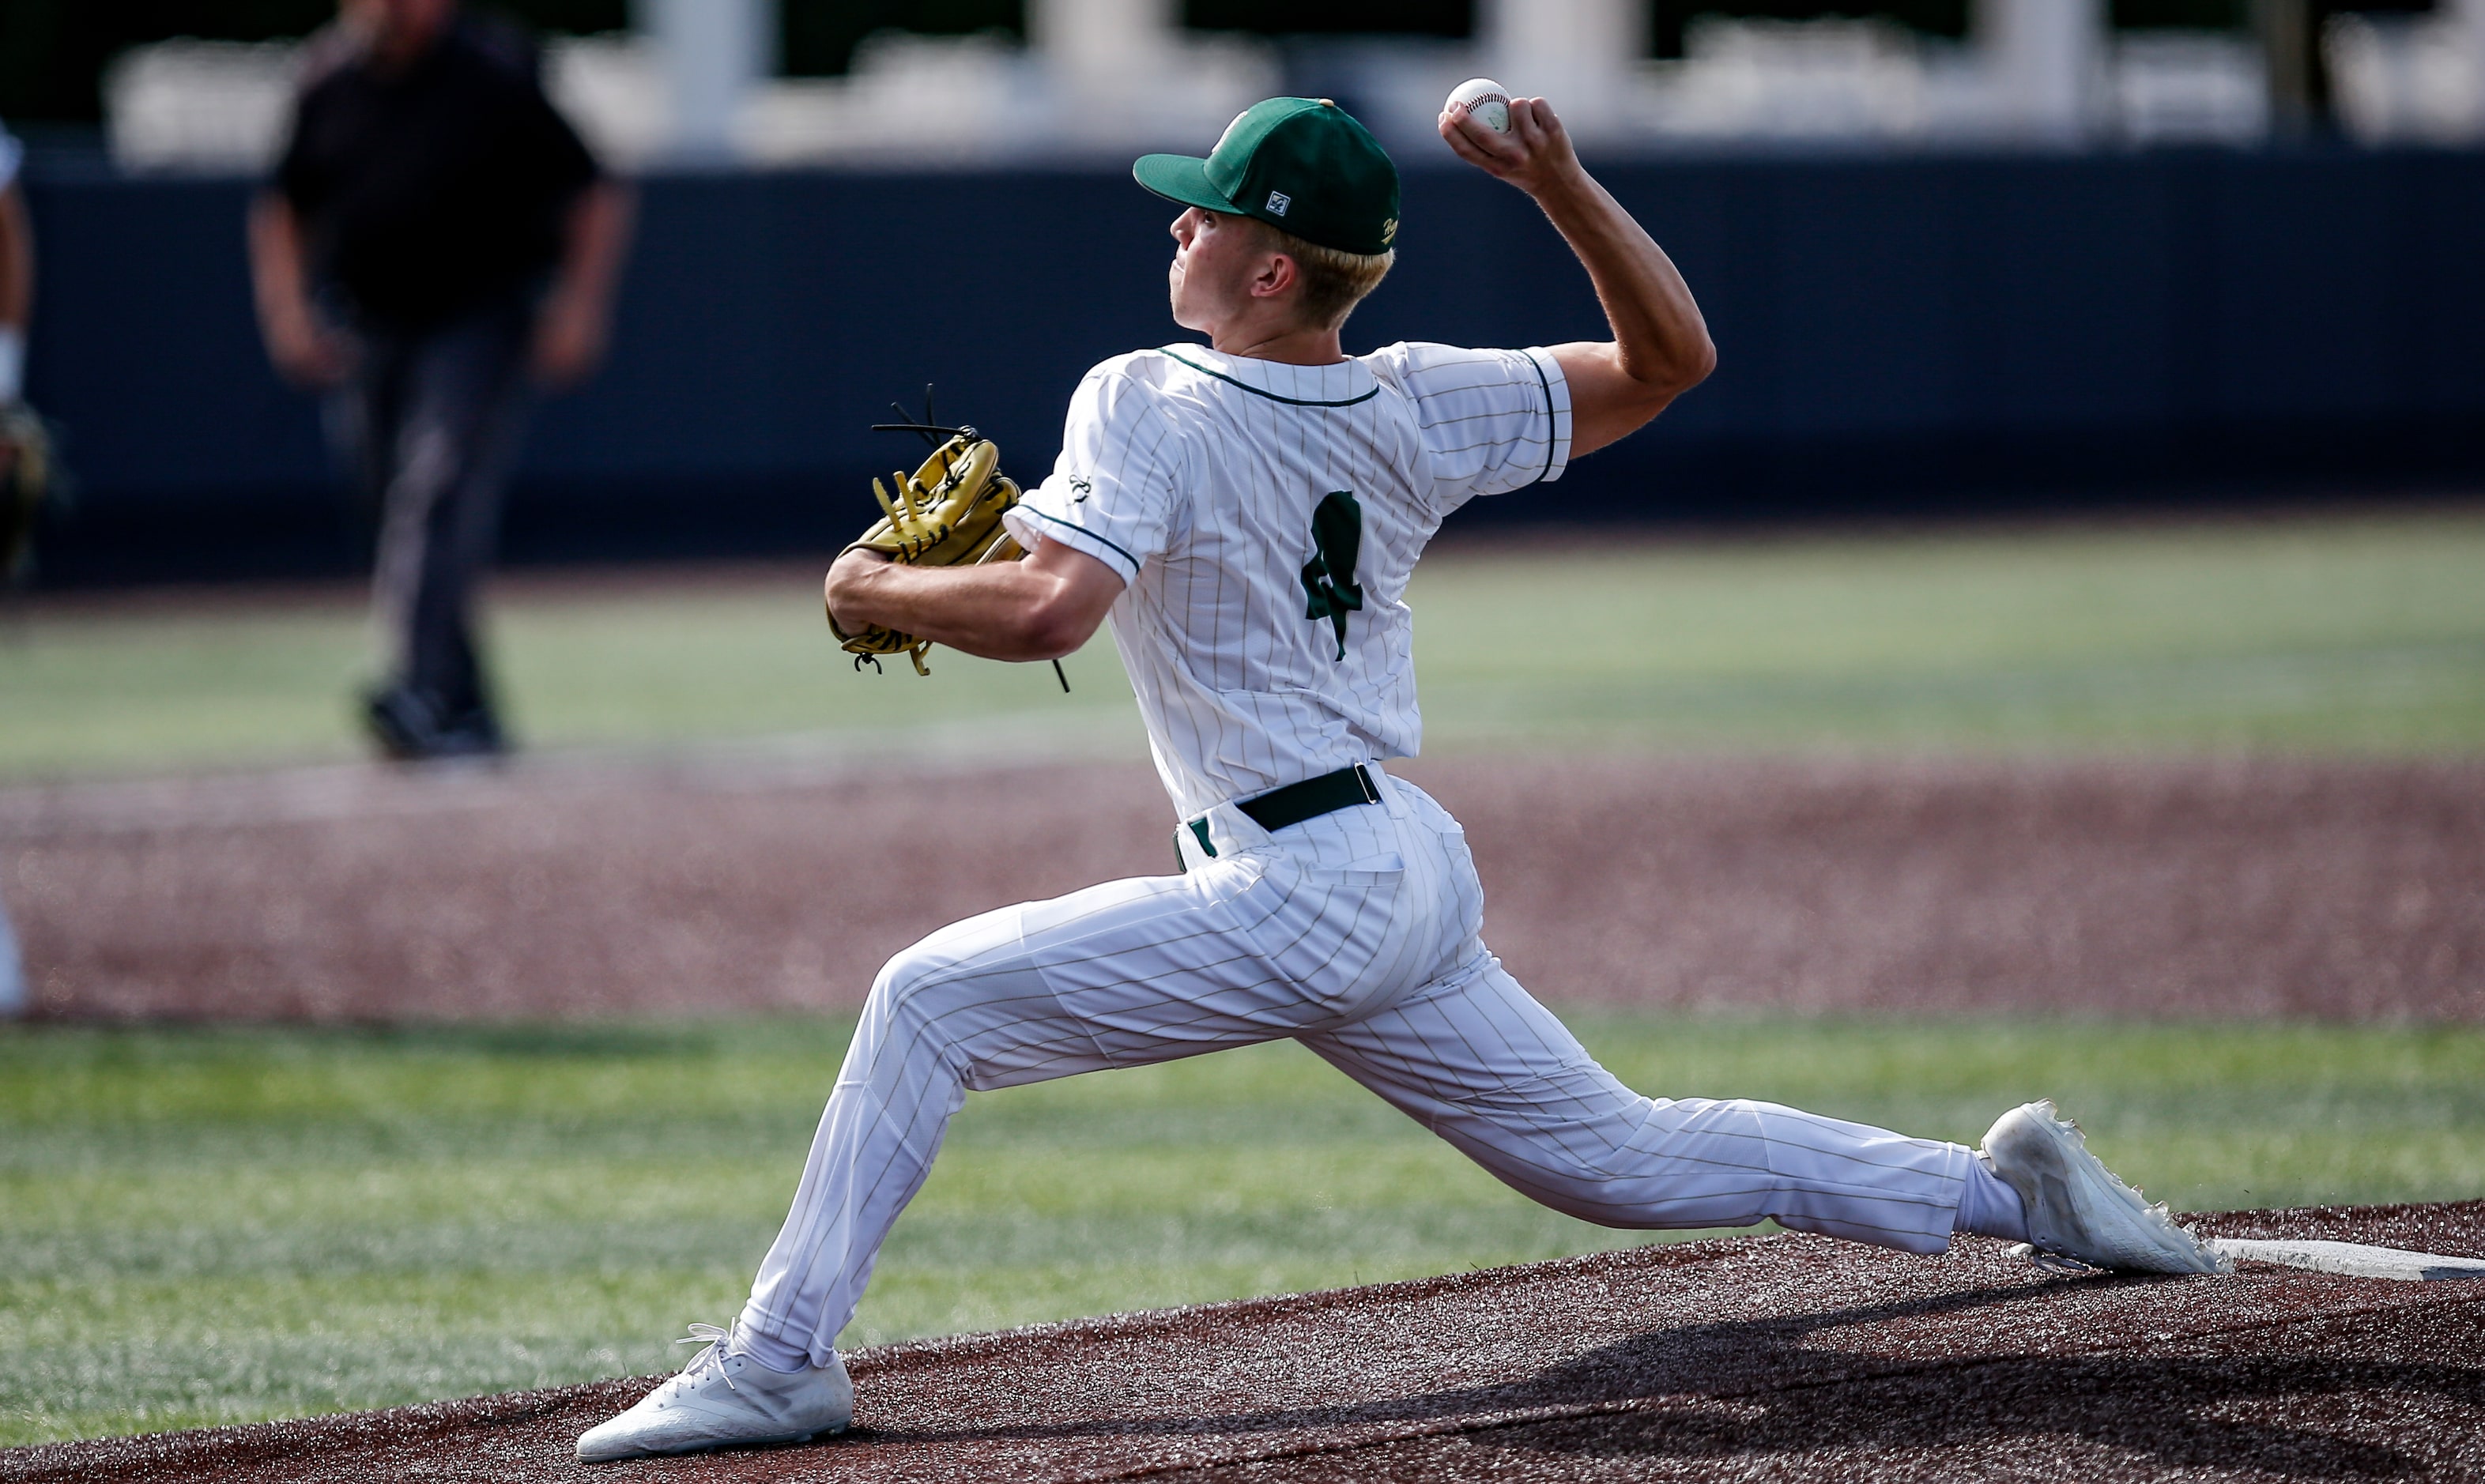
{"points": [[297, 179], [1113, 491], [1492, 421], [11, 154], [563, 165]]}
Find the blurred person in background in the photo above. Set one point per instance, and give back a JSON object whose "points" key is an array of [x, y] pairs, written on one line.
{"points": [[16, 308], [16, 273], [436, 243]]}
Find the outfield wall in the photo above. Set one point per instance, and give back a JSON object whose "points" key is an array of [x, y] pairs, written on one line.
{"points": [[1898, 335]]}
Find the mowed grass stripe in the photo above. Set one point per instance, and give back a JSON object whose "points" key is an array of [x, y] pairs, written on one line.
{"points": [[217, 1225], [2337, 632]]}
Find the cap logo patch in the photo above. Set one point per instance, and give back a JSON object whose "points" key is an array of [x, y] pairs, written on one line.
{"points": [[1278, 201], [1390, 230]]}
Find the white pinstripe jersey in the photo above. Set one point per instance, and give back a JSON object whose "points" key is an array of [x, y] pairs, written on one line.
{"points": [[1196, 476]]}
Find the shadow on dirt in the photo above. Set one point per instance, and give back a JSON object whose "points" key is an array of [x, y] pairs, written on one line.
{"points": [[2225, 1414], [1738, 1388], [1725, 1358]]}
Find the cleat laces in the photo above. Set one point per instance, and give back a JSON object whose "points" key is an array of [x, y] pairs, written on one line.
{"points": [[715, 1341]]}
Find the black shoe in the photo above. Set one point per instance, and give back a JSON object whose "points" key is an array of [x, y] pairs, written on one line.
{"points": [[410, 729], [400, 721], [472, 734]]}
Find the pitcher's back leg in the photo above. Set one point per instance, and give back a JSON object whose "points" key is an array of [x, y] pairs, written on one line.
{"points": [[1476, 1059]]}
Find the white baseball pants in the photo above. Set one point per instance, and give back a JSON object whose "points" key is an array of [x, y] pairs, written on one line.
{"points": [[1356, 933]]}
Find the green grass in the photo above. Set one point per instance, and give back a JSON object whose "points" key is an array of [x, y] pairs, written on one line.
{"points": [[2333, 634], [228, 683], [215, 1226], [201, 1227], [2363, 633]]}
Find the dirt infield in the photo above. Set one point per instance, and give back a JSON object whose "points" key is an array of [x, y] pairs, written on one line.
{"points": [[2338, 889], [1767, 1357]]}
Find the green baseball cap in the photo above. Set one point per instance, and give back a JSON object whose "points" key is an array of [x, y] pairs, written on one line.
{"points": [[1301, 165]]}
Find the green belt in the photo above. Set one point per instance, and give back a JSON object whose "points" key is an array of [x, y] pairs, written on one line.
{"points": [[1296, 802]]}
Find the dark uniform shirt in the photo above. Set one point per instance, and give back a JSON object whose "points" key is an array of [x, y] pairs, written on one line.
{"points": [[431, 191]]}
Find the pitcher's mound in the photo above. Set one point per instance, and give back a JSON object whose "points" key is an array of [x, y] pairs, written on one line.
{"points": [[1777, 1358]]}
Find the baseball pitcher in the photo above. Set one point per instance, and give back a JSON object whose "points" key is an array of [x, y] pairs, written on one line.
{"points": [[1247, 512]]}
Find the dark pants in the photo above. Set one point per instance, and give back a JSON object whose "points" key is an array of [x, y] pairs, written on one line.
{"points": [[432, 423]]}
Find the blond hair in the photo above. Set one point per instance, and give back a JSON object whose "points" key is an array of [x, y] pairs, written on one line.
{"points": [[1335, 283]]}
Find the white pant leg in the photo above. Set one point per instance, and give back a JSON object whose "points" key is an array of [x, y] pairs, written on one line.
{"points": [[1479, 1063], [1269, 939]]}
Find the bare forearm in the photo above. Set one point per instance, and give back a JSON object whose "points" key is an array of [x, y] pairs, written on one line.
{"points": [[1660, 347], [301, 344], [576, 313], [597, 240], [280, 283], [1001, 610], [1660, 340]]}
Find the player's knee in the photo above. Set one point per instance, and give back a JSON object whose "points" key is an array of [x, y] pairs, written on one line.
{"points": [[899, 1027], [899, 984], [906, 995]]}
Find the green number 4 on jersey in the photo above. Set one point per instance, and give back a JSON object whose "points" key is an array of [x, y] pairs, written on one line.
{"points": [[1328, 577]]}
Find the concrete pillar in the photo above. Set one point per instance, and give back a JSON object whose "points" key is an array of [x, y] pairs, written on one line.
{"points": [[1577, 55], [714, 53], [1102, 43], [2467, 19], [2047, 61]]}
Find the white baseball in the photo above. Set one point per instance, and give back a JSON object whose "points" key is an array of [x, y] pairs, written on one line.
{"points": [[1487, 102]]}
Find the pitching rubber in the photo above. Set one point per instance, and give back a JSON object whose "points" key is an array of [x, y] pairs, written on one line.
{"points": [[2351, 1259]]}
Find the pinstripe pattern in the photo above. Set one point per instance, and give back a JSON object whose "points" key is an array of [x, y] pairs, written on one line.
{"points": [[1194, 475], [1359, 933]]}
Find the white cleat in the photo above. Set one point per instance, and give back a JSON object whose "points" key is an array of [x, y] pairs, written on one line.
{"points": [[2076, 1208], [723, 1401]]}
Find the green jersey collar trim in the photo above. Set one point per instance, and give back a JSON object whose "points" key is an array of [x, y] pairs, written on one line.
{"points": [[1291, 401]]}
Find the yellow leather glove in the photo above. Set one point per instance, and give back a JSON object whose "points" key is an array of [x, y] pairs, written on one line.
{"points": [[946, 514]]}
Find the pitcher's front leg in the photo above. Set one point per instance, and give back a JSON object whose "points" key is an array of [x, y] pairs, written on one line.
{"points": [[904, 1076], [1121, 974]]}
